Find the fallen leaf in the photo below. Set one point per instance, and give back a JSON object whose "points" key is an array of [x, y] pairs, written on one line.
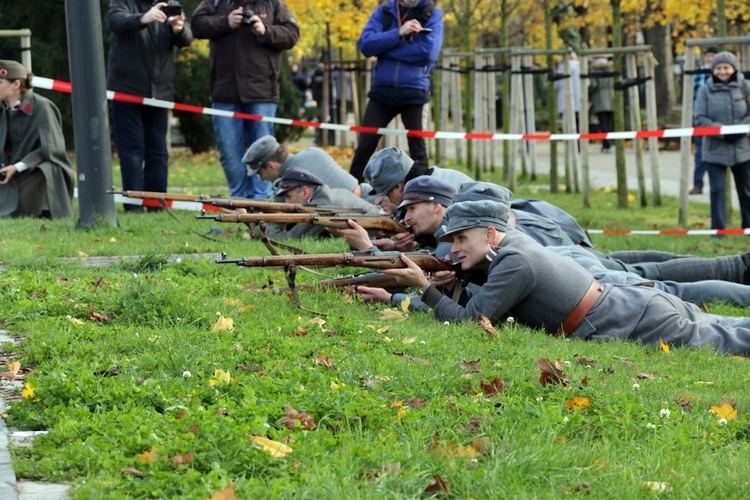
{"points": [[643, 376], [28, 391], [657, 486], [494, 387], [305, 419], [81, 254], [726, 409], [276, 449], [439, 487], [14, 367], [95, 316], [225, 494], [585, 362], [246, 308], [182, 459], [664, 347], [392, 314], [471, 366], [132, 472], [487, 325], [409, 340], [148, 457], [551, 374], [75, 321], [382, 330], [404, 304], [578, 403], [323, 360], [415, 402], [223, 323]]}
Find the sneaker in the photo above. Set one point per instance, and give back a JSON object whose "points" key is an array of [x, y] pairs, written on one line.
{"points": [[696, 190]]}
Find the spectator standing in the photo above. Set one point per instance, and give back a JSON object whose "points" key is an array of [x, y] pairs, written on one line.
{"points": [[406, 37], [575, 80], [141, 62], [723, 100], [35, 175], [246, 43], [602, 89], [698, 81]]}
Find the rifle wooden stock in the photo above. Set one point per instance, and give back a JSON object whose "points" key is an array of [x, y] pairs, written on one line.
{"points": [[235, 203], [385, 260], [378, 280], [381, 222]]}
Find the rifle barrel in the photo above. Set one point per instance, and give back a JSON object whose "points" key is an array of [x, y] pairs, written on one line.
{"points": [[339, 221], [385, 260]]}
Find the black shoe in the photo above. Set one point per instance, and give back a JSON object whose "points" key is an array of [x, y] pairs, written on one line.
{"points": [[696, 190]]}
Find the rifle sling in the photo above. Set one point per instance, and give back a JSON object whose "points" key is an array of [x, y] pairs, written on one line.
{"points": [[163, 204], [290, 272]]}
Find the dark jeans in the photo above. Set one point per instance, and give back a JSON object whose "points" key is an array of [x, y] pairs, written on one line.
{"points": [[606, 124], [379, 115], [141, 138], [717, 178], [700, 169]]}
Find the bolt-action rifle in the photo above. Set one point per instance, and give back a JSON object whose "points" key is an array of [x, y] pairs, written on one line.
{"points": [[155, 199], [383, 260], [374, 279], [339, 221]]}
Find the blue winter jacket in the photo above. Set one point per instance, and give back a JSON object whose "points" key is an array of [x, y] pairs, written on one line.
{"points": [[403, 62]]}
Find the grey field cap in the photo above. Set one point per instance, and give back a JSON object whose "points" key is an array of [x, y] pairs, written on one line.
{"points": [[428, 188], [477, 191], [468, 214], [295, 177], [259, 153], [386, 169]]}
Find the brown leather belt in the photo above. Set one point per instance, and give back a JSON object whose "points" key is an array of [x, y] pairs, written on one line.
{"points": [[581, 309]]}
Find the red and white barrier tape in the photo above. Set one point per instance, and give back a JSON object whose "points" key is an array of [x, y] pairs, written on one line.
{"points": [[177, 205], [60, 86]]}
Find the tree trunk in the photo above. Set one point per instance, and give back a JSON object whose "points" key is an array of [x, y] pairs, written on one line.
{"points": [[658, 36]]}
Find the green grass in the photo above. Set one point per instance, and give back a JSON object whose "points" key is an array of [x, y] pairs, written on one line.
{"points": [[125, 360]]}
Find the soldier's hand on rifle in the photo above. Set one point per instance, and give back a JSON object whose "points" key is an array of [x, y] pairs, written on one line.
{"points": [[384, 244], [443, 278], [412, 275], [404, 242], [369, 293], [356, 236]]}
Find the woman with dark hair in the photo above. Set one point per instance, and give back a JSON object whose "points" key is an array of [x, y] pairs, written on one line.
{"points": [[36, 178]]}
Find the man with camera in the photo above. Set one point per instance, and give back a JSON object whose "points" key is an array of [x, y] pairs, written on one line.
{"points": [[141, 62], [246, 43]]}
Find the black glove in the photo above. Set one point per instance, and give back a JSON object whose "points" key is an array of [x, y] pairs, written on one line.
{"points": [[732, 138]]}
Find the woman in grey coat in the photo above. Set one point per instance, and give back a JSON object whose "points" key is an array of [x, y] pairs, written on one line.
{"points": [[723, 100]]}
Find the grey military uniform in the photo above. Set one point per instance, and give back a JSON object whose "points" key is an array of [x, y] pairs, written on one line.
{"points": [[321, 165], [452, 176], [324, 196], [540, 289], [702, 292], [669, 267]]}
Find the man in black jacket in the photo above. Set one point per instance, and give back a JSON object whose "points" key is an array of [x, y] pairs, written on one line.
{"points": [[141, 62], [247, 40]]}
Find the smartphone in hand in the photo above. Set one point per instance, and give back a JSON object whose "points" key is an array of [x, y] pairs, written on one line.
{"points": [[172, 10], [425, 30]]}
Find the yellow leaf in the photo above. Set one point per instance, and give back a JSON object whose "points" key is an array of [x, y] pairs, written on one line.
{"points": [[225, 494], [657, 486], [220, 376], [233, 301], [382, 330], [404, 305], [28, 391], [223, 324], [276, 449], [75, 321], [392, 314], [398, 404], [246, 308], [14, 367], [578, 402], [112, 240], [148, 457], [664, 346], [81, 254], [409, 340], [726, 411]]}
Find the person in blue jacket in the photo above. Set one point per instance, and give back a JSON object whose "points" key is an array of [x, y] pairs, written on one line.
{"points": [[406, 37]]}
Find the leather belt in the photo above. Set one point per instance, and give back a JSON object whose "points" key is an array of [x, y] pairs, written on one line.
{"points": [[581, 309]]}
